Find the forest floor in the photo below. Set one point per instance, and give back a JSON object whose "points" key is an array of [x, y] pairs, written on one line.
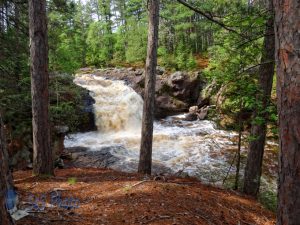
{"points": [[109, 197]]}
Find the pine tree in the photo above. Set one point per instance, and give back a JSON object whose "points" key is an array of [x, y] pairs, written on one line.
{"points": [[42, 154], [253, 168], [145, 162], [287, 20]]}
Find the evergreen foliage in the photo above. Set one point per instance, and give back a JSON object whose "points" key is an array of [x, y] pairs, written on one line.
{"points": [[105, 33]]}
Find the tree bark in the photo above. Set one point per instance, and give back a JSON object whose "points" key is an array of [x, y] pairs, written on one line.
{"points": [[17, 44], [42, 154], [238, 153], [5, 178], [145, 162], [253, 168], [83, 36], [287, 20], [106, 11]]}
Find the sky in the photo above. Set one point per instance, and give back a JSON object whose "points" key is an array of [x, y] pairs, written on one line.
{"points": [[84, 1]]}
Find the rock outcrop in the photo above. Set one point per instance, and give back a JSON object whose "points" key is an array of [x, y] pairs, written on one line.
{"points": [[109, 157], [195, 113], [175, 92]]}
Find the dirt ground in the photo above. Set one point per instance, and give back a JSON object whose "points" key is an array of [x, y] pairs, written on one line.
{"points": [[110, 197]]}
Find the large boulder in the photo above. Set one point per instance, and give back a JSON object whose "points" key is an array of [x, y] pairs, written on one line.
{"points": [[167, 105], [102, 158], [160, 70], [195, 113], [175, 93], [185, 86], [87, 123]]}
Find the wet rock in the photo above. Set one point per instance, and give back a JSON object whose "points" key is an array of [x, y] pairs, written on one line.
{"points": [[59, 163], [177, 79], [185, 86], [61, 129], [139, 72], [160, 70], [167, 105], [191, 117], [76, 149], [203, 102], [193, 109], [159, 168], [175, 93], [203, 113], [101, 158], [88, 114], [115, 157], [195, 113], [57, 145], [181, 87], [140, 80]]}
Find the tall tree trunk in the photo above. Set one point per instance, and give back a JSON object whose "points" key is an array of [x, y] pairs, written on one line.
{"points": [[83, 35], [42, 154], [253, 168], [5, 177], [145, 162], [287, 20], [106, 11], [123, 12], [17, 44], [238, 153]]}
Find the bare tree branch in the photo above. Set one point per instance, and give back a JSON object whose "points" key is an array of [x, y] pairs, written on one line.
{"points": [[209, 17], [252, 67]]}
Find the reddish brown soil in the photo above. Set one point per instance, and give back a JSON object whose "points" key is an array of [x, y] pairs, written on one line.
{"points": [[110, 197], [202, 62]]}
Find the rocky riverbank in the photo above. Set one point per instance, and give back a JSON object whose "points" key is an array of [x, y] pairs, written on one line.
{"points": [[71, 110], [175, 92]]}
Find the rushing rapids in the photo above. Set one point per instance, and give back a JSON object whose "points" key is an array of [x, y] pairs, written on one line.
{"points": [[181, 147]]}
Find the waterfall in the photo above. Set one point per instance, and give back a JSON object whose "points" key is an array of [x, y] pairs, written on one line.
{"points": [[196, 148], [117, 106], [193, 147]]}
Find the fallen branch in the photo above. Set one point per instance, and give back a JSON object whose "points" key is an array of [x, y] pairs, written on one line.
{"points": [[139, 183], [158, 217], [208, 16], [183, 183]]}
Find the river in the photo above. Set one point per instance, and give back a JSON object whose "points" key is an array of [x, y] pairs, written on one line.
{"points": [[193, 148]]}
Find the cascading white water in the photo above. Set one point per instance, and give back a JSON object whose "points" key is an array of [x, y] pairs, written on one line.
{"points": [[117, 107], [196, 148]]}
